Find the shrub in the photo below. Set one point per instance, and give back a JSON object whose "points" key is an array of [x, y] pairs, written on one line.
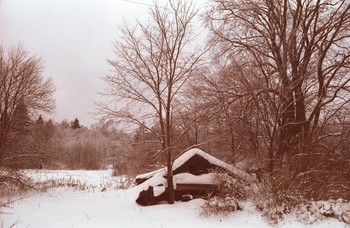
{"points": [[275, 197], [231, 191], [125, 182], [286, 193], [314, 211], [220, 206], [13, 182]]}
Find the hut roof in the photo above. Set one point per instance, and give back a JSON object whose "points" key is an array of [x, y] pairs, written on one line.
{"points": [[190, 158]]}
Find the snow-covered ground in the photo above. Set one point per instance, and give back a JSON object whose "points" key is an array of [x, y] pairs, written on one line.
{"points": [[100, 204]]}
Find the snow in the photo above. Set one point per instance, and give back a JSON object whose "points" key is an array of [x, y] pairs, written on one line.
{"points": [[150, 174], [157, 179], [68, 207], [188, 178], [158, 190]]}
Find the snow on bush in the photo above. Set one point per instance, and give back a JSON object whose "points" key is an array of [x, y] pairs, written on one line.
{"points": [[13, 182], [276, 201], [232, 190], [312, 212], [220, 206], [276, 207]]}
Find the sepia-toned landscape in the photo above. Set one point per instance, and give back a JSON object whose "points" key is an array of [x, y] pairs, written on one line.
{"points": [[174, 113]]}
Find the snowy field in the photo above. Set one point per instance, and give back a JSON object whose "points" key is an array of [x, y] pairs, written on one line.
{"points": [[94, 199]]}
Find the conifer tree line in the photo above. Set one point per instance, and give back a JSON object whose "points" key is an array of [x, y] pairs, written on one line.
{"points": [[269, 91]]}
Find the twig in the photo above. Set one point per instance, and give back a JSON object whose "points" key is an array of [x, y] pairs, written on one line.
{"points": [[14, 224], [86, 215]]}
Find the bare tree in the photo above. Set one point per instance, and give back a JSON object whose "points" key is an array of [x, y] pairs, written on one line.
{"points": [[23, 91], [154, 61], [299, 51], [220, 127]]}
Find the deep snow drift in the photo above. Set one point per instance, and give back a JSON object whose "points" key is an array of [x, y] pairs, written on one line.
{"points": [[100, 204]]}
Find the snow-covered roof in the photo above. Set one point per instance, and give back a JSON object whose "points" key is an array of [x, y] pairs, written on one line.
{"points": [[183, 158], [195, 151], [149, 174], [212, 160]]}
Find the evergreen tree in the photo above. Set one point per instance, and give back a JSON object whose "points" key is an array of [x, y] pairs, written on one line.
{"points": [[40, 120], [21, 120], [49, 129], [75, 124]]}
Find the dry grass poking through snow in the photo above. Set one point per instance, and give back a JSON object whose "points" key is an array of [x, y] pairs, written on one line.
{"points": [[81, 180]]}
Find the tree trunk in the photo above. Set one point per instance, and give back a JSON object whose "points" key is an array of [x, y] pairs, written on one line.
{"points": [[170, 182], [294, 128], [287, 127]]}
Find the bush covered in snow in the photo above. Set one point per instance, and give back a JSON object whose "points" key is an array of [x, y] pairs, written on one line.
{"points": [[232, 190], [13, 182], [312, 212], [276, 196], [126, 182], [276, 200], [220, 206]]}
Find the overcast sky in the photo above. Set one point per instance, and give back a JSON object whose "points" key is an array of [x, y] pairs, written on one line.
{"points": [[74, 38]]}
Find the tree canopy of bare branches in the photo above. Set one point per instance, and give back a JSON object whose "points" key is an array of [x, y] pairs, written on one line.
{"points": [[153, 62], [23, 91], [296, 53]]}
